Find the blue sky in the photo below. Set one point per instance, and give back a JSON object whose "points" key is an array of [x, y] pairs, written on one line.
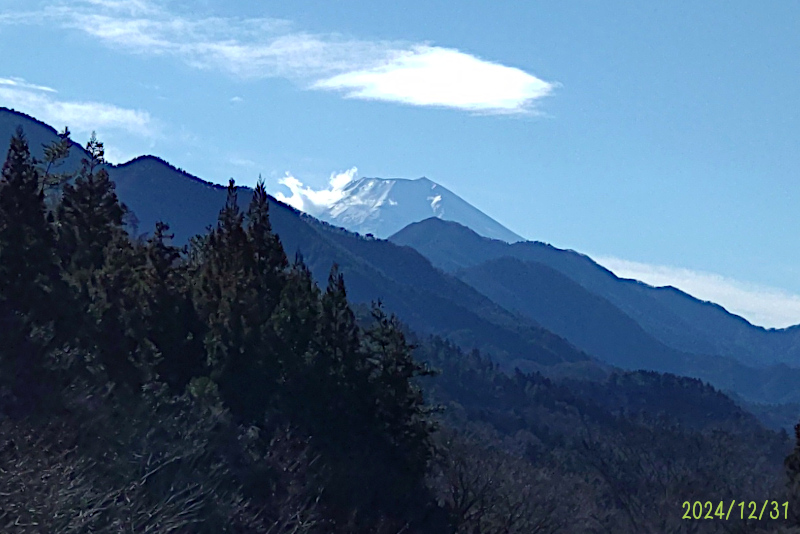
{"points": [[660, 138]]}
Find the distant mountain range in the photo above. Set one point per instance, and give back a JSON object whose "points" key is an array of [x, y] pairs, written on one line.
{"points": [[529, 305], [669, 315], [623, 322], [381, 207]]}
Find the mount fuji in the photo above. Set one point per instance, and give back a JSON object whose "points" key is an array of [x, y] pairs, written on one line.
{"points": [[382, 207]]}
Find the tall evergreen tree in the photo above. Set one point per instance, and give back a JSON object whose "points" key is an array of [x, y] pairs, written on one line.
{"points": [[270, 258], [338, 329], [295, 323], [89, 215], [268, 266], [218, 287], [340, 367], [399, 426], [403, 415], [114, 331], [171, 322], [233, 301], [31, 294], [97, 261], [28, 266]]}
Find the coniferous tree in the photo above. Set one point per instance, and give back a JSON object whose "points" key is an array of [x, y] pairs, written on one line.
{"points": [[170, 320], [89, 216], [404, 417], [98, 262], [228, 297], [338, 325], [341, 364], [220, 278], [28, 266], [270, 258], [295, 322], [114, 331], [31, 294], [268, 277], [55, 154], [399, 425]]}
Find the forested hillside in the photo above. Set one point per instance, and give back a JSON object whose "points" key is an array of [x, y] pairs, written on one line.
{"points": [[210, 389], [146, 387]]}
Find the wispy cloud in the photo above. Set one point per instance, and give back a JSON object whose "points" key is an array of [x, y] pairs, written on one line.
{"points": [[253, 48], [81, 116], [20, 84], [762, 305], [315, 201]]}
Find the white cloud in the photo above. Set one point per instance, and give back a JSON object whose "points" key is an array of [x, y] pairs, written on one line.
{"points": [[80, 116], [236, 100], [311, 201], [255, 48], [19, 83], [762, 305], [433, 76]]}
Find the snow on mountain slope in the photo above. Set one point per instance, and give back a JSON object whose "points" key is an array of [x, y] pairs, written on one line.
{"points": [[383, 207]]}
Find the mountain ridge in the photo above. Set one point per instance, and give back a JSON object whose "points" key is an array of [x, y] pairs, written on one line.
{"points": [[669, 314]]}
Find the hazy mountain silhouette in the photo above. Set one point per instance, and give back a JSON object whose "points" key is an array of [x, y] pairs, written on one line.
{"points": [[671, 316], [572, 296], [598, 327]]}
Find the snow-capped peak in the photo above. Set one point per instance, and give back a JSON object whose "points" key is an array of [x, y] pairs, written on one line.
{"points": [[382, 207]]}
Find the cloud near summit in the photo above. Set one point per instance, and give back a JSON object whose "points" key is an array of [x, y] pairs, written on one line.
{"points": [[416, 74], [315, 201]]}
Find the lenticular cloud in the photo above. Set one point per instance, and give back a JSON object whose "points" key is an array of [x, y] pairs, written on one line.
{"points": [[434, 76]]}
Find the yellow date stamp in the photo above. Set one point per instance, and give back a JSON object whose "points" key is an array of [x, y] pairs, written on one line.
{"points": [[736, 510]]}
